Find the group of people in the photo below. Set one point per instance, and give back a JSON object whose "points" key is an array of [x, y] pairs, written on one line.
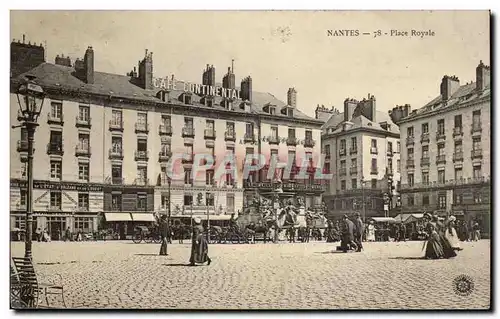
{"points": [[443, 241], [352, 233]]}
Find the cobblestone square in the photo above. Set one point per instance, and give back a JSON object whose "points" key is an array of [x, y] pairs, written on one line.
{"points": [[389, 275]]}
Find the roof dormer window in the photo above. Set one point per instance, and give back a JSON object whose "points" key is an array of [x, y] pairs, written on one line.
{"points": [[290, 112], [272, 110]]}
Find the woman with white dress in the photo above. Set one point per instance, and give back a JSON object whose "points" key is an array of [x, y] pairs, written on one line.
{"points": [[451, 233], [371, 232]]}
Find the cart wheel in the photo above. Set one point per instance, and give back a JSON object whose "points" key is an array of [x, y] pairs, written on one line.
{"points": [[148, 239], [137, 238], [235, 239], [157, 239]]}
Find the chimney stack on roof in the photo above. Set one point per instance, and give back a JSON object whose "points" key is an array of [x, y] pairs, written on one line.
{"points": [[291, 97], [449, 85], [145, 75], [482, 76], [229, 80], [246, 89], [25, 56], [88, 65], [62, 60]]}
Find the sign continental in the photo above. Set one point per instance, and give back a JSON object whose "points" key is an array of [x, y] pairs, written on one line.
{"points": [[64, 186], [198, 89]]}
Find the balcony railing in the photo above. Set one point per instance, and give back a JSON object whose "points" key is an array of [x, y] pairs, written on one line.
{"points": [[342, 152], [209, 133], [477, 153], [476, 128], [373, 150], [116, 153], [458, 156], [457, 131], [141, 181], [353, 170], [117, 181], [187, 132], [82, 151], [327, 156], [141, 155], [142, 128], [410, 140], [309, 142], [342, 172], [424, 138], [230, 136], [55, 149], [273, 139], [286, 186], [449, 183], [249, 138], [374, 170], [425, 161], [440, 135], [83, 122], [390, 172], [164, 156], [22, 146], [51, 119], [410, 163], [440, 159], [291, 141], [116, 125], [353, 150], [390, 152], [164, 129], [187, 158]]}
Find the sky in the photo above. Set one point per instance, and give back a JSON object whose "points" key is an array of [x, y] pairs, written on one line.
{"points": [[278, 49]]}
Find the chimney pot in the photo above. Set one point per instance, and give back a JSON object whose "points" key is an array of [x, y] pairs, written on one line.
{"points": [[24, 38]]}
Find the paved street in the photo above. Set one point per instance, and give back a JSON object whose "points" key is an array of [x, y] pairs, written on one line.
{"points": [[263, 276]]}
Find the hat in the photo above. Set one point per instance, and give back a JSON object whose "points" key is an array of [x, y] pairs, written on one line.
{"points": [[427, 215], [197, 220], [371, 221], [357, 214], [452, 218], [345, 216]]}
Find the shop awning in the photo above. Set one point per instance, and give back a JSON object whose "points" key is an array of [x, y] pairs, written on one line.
{"points": [[118, 217], [143, 217], [383, 219], [215, 217]]}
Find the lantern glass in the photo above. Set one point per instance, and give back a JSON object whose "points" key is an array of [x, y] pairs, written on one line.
{"points": [[30, 97]]}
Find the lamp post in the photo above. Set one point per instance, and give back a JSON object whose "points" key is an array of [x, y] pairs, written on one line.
{"points": [[277, 188], [30, 97], [363, 195]]}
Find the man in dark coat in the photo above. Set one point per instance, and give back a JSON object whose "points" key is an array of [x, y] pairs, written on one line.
{"points": [[164, 229], [358, 232], [199, 245], [347, 235], [403, 232]]}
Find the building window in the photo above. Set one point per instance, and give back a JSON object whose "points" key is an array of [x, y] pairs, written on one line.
{"points": [[274, 132], [477, 198], [410, 154], [142, 175], [230, 128], [116, 118], [389, 147], [425, 178], [165, 148], [411, 200], [342, 165], [343, 204], [84, 142], [458, 198], [55, 200], [440, 124], [83, 201], [83, 224], [398, 147], [209, 179], [24, 194], [209, 199], [476, 119], [84, 113], [83, 171], [142, 120], [188, 123], [342, 185], [441, 149], [291, 158], [374, 183], [309, 135], [476, 143], [56, 110], [116, 171], [354, 183], [327, 150], [164, 201], [188, 199], [374, 143], [354, 143], [458, 121], [374, 165], [142, 201], [441, 176], [442, 201], [425, 200], [458, 173], [24, 169], [354, 162], [272, 110], [458, 147], [398, 166], [410, 131], [166, 120], [342, 144], [274, 155], [425, 128], [326, 168], [411, 179], [230, 202], [425, 151], [291, 133], [477, 172], [189, 151], [116, 202], [374, 203], [187, 176], [56, 169], [389, 164], [116, 144]]}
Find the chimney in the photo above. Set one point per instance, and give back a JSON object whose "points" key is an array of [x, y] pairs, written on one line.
{"points": [[449, 85], [367, 108], [209, 76], [349, 107], [246, 89], [146, 71], [62, 60], [482, 76], [24, 57], [292, 97], [88, 65], [229, 81]]}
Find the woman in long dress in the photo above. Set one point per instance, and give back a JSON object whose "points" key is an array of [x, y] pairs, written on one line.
{"points": [[371, 232], [451, 234], [199, 245], [437, 246]]}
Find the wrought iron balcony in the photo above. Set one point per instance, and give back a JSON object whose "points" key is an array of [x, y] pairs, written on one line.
{"points": [[116, 125], [116, 153], [291, 141], [424, 138], [82, 151], [142, 128], [327, 156], [476, 128], [141, 155], [389, 172], [441, 159], [448, 183], [353, 150], [117, 181], [390, 153], [458, 157], [353, 170], [374, 171], [187, 158], [440, 135], [477, 153], [164, 156], [410, 140], [164, 129], [309, 142], [51, 119], [230, 136], [458, 132], [188, 132], [273, 139], [141, 181], [342, 151], [373, 150], [249, 138], [209, 134], [342, 172], [425, 161], [22, 146], [55, 148], [83, 122], [410, 163]]}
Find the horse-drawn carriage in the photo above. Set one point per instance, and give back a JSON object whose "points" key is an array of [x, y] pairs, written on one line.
{"points": [[148, 235]]}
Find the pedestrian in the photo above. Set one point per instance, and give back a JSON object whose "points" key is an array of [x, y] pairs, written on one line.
{"points": [[67, 234], [436, 246], [451, 233], [164, 229], [347, 241], [180, 231], [358, 232], [371, 232], [476, 231], [38, 234], [199, 245], [403, 232]]}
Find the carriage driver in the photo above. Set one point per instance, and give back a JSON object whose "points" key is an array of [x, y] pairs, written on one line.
{"points": [[232, 222]]}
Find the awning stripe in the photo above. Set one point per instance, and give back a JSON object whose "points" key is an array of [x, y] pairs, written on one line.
{"points": [[117, 217], [143, 217]]}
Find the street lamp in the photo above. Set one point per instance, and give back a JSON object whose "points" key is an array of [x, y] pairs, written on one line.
{"points": [[30, 97], [277, 189], [363, 195]]}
